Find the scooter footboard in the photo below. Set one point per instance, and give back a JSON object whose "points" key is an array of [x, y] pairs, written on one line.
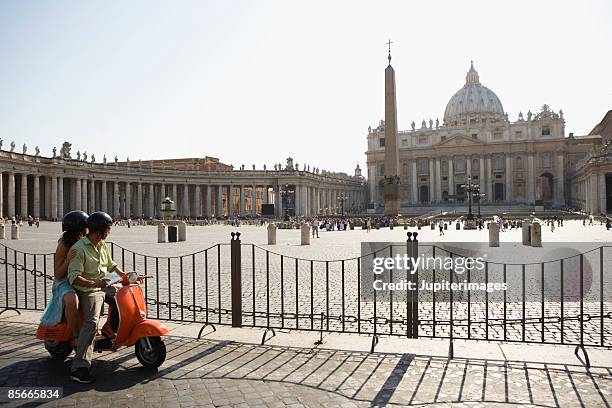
{"points": [[146, 328]]}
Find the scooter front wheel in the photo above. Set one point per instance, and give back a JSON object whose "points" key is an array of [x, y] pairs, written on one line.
{"points": [[151, 353]]}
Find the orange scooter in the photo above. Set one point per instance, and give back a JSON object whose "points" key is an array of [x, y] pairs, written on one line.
{"points": [[134, 329]]}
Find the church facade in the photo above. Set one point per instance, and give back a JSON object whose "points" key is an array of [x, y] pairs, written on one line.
{"points": [[528, 162]]}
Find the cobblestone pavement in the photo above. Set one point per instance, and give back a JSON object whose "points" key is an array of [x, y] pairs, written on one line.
{"points": [[224, 373]]}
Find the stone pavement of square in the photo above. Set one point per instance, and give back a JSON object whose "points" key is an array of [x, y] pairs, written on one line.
{"points": [[231, 374]]}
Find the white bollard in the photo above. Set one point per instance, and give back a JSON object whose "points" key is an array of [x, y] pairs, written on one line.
{"points": [[182, 231], [161, 233], [14, 231], [2, 234], [494, 235], [271, 234], [305, 232], [536, 234], [526, 226]]}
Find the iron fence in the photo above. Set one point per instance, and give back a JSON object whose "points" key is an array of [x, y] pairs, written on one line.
{"points": [[265, 289]]}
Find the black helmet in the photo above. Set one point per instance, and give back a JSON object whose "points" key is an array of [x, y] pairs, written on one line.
{"points": [[98, 221], [75, 221]]}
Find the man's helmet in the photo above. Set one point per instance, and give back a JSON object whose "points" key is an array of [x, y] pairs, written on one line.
{"points": [[98, 221], [75, 221]]}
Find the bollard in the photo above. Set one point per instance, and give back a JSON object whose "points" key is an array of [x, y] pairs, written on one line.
{"points": [[405, 226], [526, 226], [14, 231], [161, 232], [391, 226], [458, 226], [433, 226], [182, 231], [445, 226], [305, 234], [536, 235], [2, 235], [271, 234], [494, 235]]}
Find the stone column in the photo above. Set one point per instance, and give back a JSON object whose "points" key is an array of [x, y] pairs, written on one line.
{"points": [[241, 204], [451, 178], [103, 193], [602, 193], [278, 202], [431, 181], [92, 195], [254, 200], [197, 210], [489, 179], [230, 201], [266, 195], [468, 167], [298, 200], [77, 194], [219, 209], [175, 194], [139, 200], [508, 178], [208, 201], [116, 212], [128, 200], [48, 214], [530, 180], [84, 199], [24, 196], [185, 211], [438, 181], [162, 197], [151, 201], [36, 196], [481, 176], [11, 194], [54, 200], [415, 187], [560, 187], [60, 198]]}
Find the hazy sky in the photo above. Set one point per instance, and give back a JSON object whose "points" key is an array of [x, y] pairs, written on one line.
{"points": [[256, 81]]}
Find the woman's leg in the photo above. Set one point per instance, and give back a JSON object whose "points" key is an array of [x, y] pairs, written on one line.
{"points": [[71, 309]]}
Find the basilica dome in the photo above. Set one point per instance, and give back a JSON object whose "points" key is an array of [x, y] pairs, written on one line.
{"points": [[473, 99]]}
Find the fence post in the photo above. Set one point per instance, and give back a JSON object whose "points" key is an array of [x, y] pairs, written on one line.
{"points": [[236, 279], [414, 253]]}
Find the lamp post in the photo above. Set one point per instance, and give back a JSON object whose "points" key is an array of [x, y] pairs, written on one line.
{"points": [[284, 192], [341, 199]]}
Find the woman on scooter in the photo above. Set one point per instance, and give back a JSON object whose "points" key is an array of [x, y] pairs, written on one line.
{"points": [[64, 299]]}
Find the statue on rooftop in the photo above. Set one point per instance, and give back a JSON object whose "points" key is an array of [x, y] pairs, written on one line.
{"points": [[25, 148], [12, 146], [65, 150], [37, 151]]}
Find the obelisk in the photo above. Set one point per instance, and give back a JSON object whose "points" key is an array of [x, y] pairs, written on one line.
{"points": [[391, 175]]}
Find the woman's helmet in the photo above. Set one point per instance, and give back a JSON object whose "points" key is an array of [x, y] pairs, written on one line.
{"points": [[98, 221], [75, 221]]}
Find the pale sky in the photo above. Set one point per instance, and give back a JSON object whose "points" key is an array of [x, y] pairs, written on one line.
{"points": [[252, 82]]}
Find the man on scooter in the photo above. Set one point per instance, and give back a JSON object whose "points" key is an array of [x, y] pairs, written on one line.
{"points": [[86, 272]]}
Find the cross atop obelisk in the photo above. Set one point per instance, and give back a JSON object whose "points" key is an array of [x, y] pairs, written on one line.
{"points": [[389, 44]]}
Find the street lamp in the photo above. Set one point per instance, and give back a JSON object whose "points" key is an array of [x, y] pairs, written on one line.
{"points": [[341, 199], [284, 192], [469, 188]]}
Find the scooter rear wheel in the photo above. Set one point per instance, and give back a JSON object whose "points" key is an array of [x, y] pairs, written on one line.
{"points": [[58, 349], [154, 357]]}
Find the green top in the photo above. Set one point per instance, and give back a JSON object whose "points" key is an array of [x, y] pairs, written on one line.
{"points": [[91, 262]]}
